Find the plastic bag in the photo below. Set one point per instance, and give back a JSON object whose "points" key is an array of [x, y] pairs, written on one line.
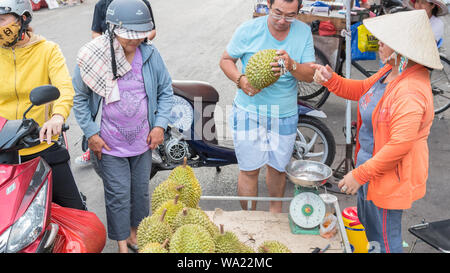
{"points": [[366, 40], [328, 227], [357, 55], [79, 231]]}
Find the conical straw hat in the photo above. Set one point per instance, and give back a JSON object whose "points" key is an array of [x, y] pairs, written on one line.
{"points": [[442, 7], [409, 34]]}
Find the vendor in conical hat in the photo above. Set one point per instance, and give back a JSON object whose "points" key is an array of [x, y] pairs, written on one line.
{"points": [[395, 113], [434, 8]]}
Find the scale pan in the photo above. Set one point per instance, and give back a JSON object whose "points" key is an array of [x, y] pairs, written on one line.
{"points": [[308, 173]]}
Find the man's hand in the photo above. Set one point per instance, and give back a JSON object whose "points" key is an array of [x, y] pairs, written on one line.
{"points": [[155, 137], [51, 128], [96, 144], [247, 88], [288, 62]]}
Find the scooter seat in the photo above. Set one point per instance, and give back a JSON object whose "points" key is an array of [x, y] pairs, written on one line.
{"points": [[192, 89]]}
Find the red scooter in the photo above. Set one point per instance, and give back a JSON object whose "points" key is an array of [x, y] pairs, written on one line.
{"points": [[27, 223]]}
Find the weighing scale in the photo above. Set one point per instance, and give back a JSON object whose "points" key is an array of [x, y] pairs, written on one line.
{"points": [[307, 209]]}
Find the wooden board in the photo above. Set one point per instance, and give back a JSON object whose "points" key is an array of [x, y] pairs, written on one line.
{"points": [[254, 227]]}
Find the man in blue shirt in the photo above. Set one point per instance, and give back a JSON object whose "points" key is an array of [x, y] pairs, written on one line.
{"points": [[264, 122]]}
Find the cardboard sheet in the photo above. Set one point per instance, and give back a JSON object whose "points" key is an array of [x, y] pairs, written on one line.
{"points": [[254, 227]]}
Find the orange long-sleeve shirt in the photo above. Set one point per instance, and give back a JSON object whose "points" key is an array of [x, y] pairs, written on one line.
{"points": [[398, 170]]}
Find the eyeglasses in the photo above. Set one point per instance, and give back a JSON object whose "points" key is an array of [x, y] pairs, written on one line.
{"points": [[277, 17]]}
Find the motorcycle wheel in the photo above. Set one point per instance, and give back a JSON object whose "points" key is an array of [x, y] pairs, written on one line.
{"points": [[314, 141]]}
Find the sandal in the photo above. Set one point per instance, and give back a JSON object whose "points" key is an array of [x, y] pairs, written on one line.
{"points": [[133, 247]]}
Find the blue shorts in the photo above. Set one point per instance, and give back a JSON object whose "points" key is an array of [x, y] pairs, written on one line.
{"points": [[260, 140]]}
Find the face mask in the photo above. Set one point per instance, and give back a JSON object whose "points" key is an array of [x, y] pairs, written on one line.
{"points": [[9, 34]]}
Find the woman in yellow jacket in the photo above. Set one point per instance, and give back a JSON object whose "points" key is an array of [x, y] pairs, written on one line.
{"points": [[395, 113], [27, 61]]}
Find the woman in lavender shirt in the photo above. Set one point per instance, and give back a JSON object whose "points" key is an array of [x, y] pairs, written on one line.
{"points": [[125, 77]]}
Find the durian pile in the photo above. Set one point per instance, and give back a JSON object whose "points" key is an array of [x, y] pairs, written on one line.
{"points": [[179, 225], [258, 69]]}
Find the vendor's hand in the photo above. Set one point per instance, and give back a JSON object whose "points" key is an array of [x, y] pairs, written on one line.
{"points": [[348, 184], [322, 73], [247, 88], [96, 145], [51, 128], [288, 62], [155, 137]]}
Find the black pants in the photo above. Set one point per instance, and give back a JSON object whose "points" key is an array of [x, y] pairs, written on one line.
{"points": [[65, 190]]}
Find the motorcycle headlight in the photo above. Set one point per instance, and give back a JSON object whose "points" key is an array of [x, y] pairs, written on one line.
{"points": [[28, 227]]}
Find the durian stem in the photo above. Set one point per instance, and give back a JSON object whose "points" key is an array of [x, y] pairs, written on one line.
{"points": [[185, 211], [265, 249], [180, 187], [184, 162], [222, 231], [176, 199], [163, 215], [165, 243]]}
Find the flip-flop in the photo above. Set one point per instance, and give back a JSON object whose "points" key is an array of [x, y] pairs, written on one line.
{"points": [[133, 247]]}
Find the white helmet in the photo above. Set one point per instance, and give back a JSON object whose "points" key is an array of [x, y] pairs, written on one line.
{"points": [[17, 7]]}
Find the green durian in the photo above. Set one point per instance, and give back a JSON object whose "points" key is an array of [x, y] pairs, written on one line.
{"points": [[195, 216], [243, 248], [155, 248], [227, 242], [184, 176], [273, 247], [191, 238], [167, 190], [153, 229], [173, 207], [258, 69]]}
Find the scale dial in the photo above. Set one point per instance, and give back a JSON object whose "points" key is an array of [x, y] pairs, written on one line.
{"points": [[307, 210], [182, 115]]}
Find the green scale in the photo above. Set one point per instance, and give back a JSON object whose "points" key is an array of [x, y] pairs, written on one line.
{"points": [[307, 209]]}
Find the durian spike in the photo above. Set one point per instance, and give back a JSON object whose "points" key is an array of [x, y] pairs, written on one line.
{"points": [[176, 199], [185, 211], [164, 245], [222, 231], [163, 215], [185, 162]]}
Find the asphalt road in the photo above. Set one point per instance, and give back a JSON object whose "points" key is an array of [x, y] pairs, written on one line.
{"points": [[191, 36]]}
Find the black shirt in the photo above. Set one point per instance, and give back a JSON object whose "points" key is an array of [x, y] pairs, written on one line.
{"points": [[99, 19]]}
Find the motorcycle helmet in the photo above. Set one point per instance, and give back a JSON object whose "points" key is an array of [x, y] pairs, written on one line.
{"points": [[18, 8], [129, 14], [130, 19]]}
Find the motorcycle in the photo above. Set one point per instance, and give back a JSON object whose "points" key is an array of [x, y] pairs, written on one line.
{"points": [[29, 221], [192, 132]]}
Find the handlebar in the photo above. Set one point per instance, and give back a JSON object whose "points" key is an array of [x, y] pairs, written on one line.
{"points": [[65, 127]]}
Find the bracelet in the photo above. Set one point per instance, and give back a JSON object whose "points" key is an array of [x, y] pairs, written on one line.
{"points": [[294, 67], [238, 82]]}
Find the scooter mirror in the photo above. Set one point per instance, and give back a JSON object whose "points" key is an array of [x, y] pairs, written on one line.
{"points": [[44, 94]]}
